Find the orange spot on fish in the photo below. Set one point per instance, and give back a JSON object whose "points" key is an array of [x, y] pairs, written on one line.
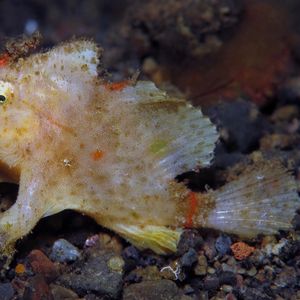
{"points": [[116, 86], [4, 58], [97, 155], [241, 250], [192, 209]]}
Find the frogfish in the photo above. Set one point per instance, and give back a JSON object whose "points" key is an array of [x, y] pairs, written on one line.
{"points": [[112, 151]]}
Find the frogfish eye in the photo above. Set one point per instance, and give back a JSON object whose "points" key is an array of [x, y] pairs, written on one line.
{"points": [[2, 99], [6, 92]]}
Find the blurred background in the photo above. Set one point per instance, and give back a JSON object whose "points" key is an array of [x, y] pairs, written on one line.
{"points": [[206, 49]]}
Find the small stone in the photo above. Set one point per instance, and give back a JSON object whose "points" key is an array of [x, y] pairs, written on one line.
{"points": [[239, 281], [37, 289], [201, 266], [268, 240], [287, 277], [257, 257], [131, 253], [226, 288], [108, 242], [20, 269], [269, 273], [228, 278], [150, 273], [230, 266], [150, 66], [278, 262], [285, 113], [296, 220], [230, 296], [241, 250], [95, 276], [290, 249], [188, 290], [203, 295], [116, 264], [189, 258], [60, 293], [91, 241], [240, 270], [211, 270], [209, 248], [227, 267], [63, 251], [252, 272], [6, 291], [279, 246], [189, 239], [41, 264], [158, 290], [211, 283], [223, 244]]}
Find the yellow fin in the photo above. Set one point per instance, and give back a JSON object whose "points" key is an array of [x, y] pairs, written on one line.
{"points": [[160, 239]]}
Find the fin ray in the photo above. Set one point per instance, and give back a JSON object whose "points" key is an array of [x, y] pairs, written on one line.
{"points": [[262, 200], [160, 239]]}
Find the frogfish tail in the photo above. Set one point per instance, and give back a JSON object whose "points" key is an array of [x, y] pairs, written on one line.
{"points": [[263, 199]]}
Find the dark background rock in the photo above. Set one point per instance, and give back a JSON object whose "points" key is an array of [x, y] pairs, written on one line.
{"points": [[6, 291], [158, 290], [94, 275]]}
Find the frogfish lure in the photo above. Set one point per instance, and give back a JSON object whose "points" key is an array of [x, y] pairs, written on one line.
{"points": [[112, 151]]}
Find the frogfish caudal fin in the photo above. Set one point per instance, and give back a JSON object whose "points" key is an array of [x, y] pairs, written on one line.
{"points": [[262, 200]]}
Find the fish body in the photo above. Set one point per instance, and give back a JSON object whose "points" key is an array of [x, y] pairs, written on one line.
{"points": [[112, 151]]}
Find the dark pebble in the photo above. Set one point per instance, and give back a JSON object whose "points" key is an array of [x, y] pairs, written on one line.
{"points": [[296, 222], [95, 276], [223, 244], [131, 257], [189, 239], [189, 258], [37, 289], [254, 293], [146, 290], [61, 293], [151, 260], [286, 278], [131, 253], [209, 248], [132, 277], [6, 291], [289, 250], [227, 277], [211, 283]]}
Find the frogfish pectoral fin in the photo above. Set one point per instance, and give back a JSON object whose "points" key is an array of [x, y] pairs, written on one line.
{"points": [[22, 216], [160, 239]]}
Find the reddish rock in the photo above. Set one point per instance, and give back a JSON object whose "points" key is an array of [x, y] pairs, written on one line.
{"points": [[19, 286], [42, 265], [37, 289]]}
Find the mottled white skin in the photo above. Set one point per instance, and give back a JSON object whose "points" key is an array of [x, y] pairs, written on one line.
{"points": [[58, 114]]}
